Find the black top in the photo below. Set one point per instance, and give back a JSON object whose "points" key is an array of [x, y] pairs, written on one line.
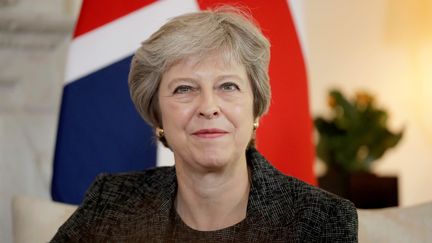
{"points": [[139, 207]]}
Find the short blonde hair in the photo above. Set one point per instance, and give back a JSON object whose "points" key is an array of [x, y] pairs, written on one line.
{"points": [[225, 29]]}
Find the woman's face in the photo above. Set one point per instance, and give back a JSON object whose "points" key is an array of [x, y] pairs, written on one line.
{"points": [[207, 112]]}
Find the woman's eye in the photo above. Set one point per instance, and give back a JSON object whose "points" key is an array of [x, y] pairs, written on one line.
{"points": [[229, 87], [182, 89]]}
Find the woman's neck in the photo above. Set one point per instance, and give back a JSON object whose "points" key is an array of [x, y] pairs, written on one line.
{"points": [[213, 200]]}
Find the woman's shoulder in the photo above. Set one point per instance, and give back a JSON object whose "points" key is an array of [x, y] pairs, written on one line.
{"points": [[148, 176], [318, 215], [290, 201], [294, 191], [305, 195], [321, 212], [115, 203], [134, 183], [302, 190]]}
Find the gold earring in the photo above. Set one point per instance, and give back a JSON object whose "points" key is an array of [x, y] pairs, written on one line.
{"points": [[160, 132], [255, 125]]}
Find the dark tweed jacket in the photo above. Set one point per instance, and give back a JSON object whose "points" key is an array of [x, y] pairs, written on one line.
{"points": [[138, 207]]}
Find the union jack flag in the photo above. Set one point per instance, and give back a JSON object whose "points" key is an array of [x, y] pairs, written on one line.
{"points": [[99, 129]]}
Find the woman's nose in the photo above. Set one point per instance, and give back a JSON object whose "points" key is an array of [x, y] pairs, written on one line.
{"points": [[209, 107]]}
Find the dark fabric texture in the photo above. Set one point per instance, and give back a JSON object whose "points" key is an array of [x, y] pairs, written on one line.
{"points": [[139, 207]]}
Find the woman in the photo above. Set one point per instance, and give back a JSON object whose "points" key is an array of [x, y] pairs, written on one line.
{"points": [[202, 82]]}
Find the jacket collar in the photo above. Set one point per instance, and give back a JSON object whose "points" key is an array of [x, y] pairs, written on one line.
{"points": [[270, 201]]}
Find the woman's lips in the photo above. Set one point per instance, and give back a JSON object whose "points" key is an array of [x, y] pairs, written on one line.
{"points": [[209, 133]]}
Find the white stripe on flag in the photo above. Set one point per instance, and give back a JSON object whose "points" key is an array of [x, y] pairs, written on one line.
{"points": [[120, 38], [164, 156]]}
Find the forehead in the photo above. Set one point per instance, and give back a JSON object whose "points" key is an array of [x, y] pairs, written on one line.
{"points": [[224, 61]]}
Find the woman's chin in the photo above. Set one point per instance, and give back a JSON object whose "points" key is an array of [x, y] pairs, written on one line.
{"points": [[217, 159], [213, 161], [206, 157]]}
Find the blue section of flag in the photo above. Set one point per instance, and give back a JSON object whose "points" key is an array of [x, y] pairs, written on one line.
{"points": [[99, 131]]}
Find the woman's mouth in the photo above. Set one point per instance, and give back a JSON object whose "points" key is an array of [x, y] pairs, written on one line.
{"points": [[209, 133]]}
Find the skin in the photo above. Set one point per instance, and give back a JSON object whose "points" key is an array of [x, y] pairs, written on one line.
{"points": [[207, 115]]}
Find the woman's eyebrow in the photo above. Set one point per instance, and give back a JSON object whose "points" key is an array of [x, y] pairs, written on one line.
{"points": [[174, 81]]}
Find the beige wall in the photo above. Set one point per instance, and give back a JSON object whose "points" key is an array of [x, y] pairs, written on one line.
{"points": [[366, 45], [34, 37]]}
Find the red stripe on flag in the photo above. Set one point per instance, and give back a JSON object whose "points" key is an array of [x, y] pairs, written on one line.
{"points": [[95, 13], [285, 133]]}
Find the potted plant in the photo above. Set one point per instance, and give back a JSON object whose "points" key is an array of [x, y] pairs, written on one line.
{"points": [[350, 140]]}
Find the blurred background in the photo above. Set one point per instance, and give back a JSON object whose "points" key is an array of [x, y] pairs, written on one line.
{"points": [[383, 47]]}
